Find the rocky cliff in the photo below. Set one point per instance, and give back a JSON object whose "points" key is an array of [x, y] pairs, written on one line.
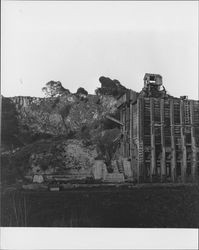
{"points": [[54, 134], [60, 115]]}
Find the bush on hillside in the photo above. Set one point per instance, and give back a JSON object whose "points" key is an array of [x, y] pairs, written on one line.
{"points": [[110, 87], [53, 89], [107, 144]]}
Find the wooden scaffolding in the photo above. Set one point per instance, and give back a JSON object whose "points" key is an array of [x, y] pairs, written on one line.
{"points": [[160, 137]]}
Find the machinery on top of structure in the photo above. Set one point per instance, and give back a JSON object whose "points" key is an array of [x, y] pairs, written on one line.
{"points": [[160, 133], [152, 86]]}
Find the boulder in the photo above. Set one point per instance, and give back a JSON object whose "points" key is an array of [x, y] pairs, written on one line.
{"points": [[38, 179], [99, 170]]}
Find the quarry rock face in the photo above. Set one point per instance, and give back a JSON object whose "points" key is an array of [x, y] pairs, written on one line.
{"points": [[69, 158], [78, 156], [54, 135], [39, 120], [44, 115]]}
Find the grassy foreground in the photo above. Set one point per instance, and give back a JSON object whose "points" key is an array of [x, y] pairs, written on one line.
{"points": [[140, 206]]}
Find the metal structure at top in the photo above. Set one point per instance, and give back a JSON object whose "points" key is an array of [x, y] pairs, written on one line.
{"points": [[153, 86], [160, 133]]}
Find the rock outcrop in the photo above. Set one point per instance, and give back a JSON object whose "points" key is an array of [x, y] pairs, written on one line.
{"points": [[55, 134], [70, 158], [45, 116]]}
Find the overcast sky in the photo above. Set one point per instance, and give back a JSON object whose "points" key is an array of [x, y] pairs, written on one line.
{"points": [[77, 42]]}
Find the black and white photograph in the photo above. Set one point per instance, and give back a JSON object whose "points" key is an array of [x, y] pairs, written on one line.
{"points": [[99, 115]]}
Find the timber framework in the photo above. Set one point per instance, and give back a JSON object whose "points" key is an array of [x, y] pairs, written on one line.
{"points": [[160, 133]]}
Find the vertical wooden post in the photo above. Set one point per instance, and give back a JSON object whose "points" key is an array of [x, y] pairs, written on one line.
{"points": [[142, 167], [128, 131], [184, 151], [131, 136], [138, 139], [173, 150], [135, 140], [153, 156], [123, 131], [193, 143], [163, 158]]}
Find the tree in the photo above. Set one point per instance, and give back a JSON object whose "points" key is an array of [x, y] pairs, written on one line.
{"points": [[107, 145], [85, 135], [64, 112], [9, 124], [110, 87], [54, 89], [81, 91], [81, 94]]}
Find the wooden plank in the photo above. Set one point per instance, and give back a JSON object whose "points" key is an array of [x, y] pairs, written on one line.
{"points": [[124, 131], [142, 168], [163, 158], [114, 120], [135, 139], [121, 100], [127, 131], [131, 136], [138, 133], [133, 96], [184, 151], [193, 143], [153, 156], [121, 130], [173, 151]]}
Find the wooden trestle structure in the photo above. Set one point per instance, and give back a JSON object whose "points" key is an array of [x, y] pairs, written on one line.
{"points": [[160, 137]]}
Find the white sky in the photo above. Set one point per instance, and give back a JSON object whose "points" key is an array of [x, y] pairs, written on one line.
{"points": [[77, 42]]}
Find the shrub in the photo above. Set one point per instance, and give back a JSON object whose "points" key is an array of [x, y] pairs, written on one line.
{"points": [[81, 91], [110, 87], [107, 145], [53, 89]]}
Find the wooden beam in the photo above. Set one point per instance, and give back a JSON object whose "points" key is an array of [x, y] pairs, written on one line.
{"points": [[153, 156], [141, 144], [131, 136], [121, 100], [114, 120], [138, 138], [184, 151], [135, 139], [193, 143], [127, 122], [173, 150], [163, 158], [123, 132]]}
